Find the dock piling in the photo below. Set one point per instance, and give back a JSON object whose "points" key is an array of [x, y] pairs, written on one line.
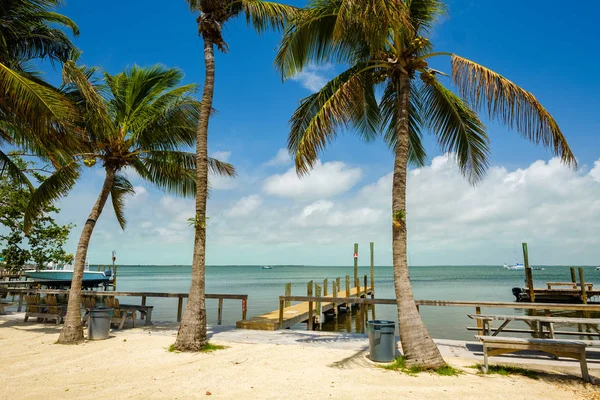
{"points": [[309, 292], [583, 289], [179, 308], [288, 292], [355, 261], [318, 306], [347, 285], [220, 312], [573, 276], [528, 274], [281, 306], [325, 286], [372, 245]]}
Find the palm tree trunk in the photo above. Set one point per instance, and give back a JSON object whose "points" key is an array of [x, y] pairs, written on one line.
{"points": [[417, 345], [192, 330], [72, 331]]}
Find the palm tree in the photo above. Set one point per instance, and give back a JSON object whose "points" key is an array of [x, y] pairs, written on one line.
{"points": [[139, 118], [386, 46], [30, 109], [214, 14]]}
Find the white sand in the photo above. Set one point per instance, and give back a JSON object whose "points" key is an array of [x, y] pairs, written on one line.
{"points": [[135, 364]]}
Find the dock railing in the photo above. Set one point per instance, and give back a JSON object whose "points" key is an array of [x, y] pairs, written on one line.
{"points": [[143, 295], [478, 305]]}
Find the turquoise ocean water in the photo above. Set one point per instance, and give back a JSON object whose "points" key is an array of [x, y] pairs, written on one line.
{"points": [[263, 287]]}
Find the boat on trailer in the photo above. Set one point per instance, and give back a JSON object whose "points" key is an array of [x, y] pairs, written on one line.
{"points": [[56, 276]]}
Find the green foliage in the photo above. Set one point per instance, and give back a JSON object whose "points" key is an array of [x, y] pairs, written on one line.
{"points": [[45, 240], [209, 347], [399, 215], [385, 45], [399, 364], [506, 370]]}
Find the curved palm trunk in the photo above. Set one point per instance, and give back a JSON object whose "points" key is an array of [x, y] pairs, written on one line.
{"points": [[417, 345], [192, 330], [72, 331]]}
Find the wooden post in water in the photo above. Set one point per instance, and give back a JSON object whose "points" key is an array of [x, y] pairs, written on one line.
{"points": [[365, 282], [479, 322], [357, 284], [179, 308], [114, 271], [372, 245], [582, 283], [355, 261], [318, 307], [335, 291], [244, 308], [347, 285], [337, 283], [220, 311], [281, 304], [309, 292], [573, 277], [528, 274], [288, 292], [325, 286]]}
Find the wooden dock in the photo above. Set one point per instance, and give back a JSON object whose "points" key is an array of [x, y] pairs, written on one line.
{"points": [[297, 313]]}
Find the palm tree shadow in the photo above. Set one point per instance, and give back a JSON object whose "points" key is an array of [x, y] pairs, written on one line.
{"points": [[360, 359]]}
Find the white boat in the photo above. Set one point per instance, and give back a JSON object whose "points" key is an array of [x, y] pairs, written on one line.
{"points": [[64, 275], [267, 267], [598, 268], [516, 266]]}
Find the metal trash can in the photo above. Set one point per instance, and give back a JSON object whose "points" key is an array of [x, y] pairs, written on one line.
{"points": [[382, 341], [99, 323]]}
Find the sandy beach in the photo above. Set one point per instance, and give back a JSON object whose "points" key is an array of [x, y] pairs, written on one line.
{"points": [[136, 364]]}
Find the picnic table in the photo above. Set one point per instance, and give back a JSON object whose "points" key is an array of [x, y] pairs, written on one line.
{"points": [[145, 311], [546, 324]]}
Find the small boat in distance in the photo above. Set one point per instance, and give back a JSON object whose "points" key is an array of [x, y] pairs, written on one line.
{"points": [[516, 266], [598, 268], [267, 267]]}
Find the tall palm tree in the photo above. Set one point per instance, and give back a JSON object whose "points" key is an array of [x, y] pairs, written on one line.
{"points": [[139, 118], [213, 15], [386, 46], [30, 109]]}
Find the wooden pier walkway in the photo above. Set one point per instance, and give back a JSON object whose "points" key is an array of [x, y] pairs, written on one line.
{"points": [[296, 313]]}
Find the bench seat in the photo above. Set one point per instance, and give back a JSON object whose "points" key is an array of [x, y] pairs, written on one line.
{"points": [[494, 346]]}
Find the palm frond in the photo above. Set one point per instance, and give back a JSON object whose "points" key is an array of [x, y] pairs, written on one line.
{"points": [[217, 167], [43, 108], [417, 156], [7, 166], [346, 100], [424, 13], [511, 105], [121, 188], [266, 15], [457, 129], [53, 188], [169, 172]]}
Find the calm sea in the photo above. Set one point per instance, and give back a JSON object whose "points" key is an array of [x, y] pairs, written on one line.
{"points": [[263, 286]]}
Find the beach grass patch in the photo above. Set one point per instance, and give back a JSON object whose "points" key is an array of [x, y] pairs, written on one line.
{"points": [[448, 370], [507, 370], [209, 347], [399, 364]]}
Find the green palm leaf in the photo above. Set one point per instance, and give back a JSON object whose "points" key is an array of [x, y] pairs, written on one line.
{"points": [[346, 100], [457, 129], [265, 15], [511, 105], [13, 171], [52, 189], [121, 188]]}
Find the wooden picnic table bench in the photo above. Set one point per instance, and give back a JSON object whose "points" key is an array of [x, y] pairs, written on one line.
{"points": [[544, 322], [3, 305], [144, 310], [494, 346]]}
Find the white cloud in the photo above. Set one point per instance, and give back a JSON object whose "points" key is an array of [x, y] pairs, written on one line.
{"points": [[221, 155], [553, 208], [595, 172], [313, 77], [245, 206], [325, 180], [282, 158]]}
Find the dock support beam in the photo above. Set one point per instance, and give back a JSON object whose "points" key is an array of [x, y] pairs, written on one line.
{"points": [[582, 283], [355, 261], [528, 274]]}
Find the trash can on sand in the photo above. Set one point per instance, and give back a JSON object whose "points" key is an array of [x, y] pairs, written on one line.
{"points": [[382, 341], [99, 323]]}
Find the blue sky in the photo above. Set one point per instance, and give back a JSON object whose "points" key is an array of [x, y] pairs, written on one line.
{"points": [[268, 216]]}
